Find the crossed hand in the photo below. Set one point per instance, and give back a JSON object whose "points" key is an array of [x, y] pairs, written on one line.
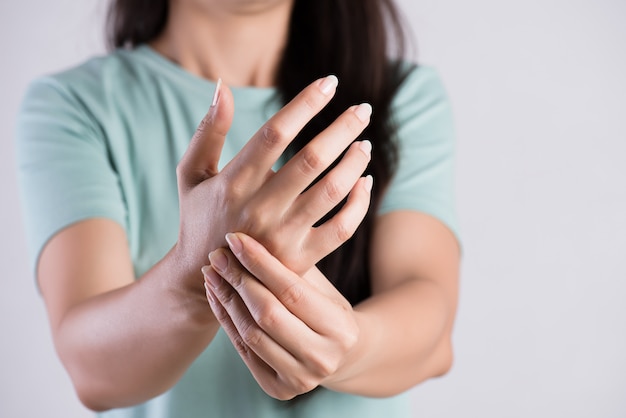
{"points": [[290, 325]]}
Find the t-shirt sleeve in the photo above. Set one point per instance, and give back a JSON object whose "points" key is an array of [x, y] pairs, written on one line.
{"points": [[424, 180], [64, 172]]}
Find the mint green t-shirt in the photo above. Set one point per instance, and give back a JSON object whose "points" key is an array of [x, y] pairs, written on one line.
{"points": [[103, 140]]}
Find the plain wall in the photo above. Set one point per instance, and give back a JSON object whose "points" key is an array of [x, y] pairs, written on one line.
{"points": [[539, 93]]}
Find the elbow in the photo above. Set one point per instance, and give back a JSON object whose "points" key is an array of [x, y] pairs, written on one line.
{"points": [[101, 393], [91, 403], [88, 391], [89, 397], [444, 358]]}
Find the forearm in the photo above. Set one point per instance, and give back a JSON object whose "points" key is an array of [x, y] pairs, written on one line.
{"points": [[128, 345], [404, 339]]}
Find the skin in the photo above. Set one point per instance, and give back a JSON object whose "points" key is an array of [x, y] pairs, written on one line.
{"points": [[110, 330]]}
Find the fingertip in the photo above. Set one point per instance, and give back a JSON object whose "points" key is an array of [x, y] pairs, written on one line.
{"points": [[366, 147], [205, 270], [363, 112], [218, 117], [216, 94], [368, 183], [211, 277], [234, 242], [221, 98], [219, 260], [328, 84]]}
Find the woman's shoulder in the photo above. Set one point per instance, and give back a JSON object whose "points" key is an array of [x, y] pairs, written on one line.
{"points": [[93, 77], [421, 88]]}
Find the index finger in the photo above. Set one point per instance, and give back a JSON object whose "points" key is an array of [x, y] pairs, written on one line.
{"points": [[258, 156]]}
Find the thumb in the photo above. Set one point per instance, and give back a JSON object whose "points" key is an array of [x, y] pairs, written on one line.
{"points": [[202, 156]]}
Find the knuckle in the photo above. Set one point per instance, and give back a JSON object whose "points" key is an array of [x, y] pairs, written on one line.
{"points": [[310, 162], [342, 231], [185, 177], [348, 340], [348, 333], [251, 221], [227, 299], [267, 317], [241, 347], [302, 383], [272, 135], [237, 280], [333, 191], [323, 366], [221, 315], [292, 295], [229, 197], [250, 334], [225, 295]]}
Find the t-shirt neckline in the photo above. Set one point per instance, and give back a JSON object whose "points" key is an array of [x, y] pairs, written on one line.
{"points": [[247, 96]]}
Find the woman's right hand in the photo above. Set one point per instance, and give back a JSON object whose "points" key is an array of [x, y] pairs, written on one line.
{"points": [[273, 207]]}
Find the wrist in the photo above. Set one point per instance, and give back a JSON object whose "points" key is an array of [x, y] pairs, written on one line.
{"points": [[184, 284]]}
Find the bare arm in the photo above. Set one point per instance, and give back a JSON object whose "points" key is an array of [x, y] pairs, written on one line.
{"points": [[125, 341], [406, 326], [122, 341]]}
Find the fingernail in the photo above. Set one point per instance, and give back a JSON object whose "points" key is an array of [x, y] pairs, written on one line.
{"points": [[363, 112], [234, 243], [366, 147], [211, 277], [205, 270], [369, 182], [329, 84], [218, 260], [216, 95]]}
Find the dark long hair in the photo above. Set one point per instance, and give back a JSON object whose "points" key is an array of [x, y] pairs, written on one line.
{"points": [[349, 38]]}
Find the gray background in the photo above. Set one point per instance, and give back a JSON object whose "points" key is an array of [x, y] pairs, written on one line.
{"points": [[539, 93]]}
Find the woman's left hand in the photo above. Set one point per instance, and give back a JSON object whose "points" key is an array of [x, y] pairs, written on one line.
{"points": [[292, 332]]}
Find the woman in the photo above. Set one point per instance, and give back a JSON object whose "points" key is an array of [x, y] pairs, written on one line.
{"points": [[122, 211]]}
